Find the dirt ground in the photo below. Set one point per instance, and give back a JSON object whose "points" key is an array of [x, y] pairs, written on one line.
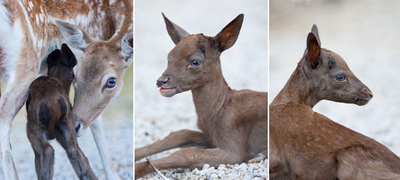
{"points": [[366, 35]]}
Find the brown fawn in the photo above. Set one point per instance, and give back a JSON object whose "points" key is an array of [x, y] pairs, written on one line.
{"points": [[50, 117], [307, 145], [233, 123]]}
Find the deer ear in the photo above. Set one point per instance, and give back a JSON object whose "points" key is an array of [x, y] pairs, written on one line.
{"points": [[54, 57], [69, 55], [127, 48], [74, 36], [175, 32], [228, 36], [313, 47]]}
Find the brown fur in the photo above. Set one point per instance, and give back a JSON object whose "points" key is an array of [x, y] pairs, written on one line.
{"points": [[50, 117], [307, 145], [233, 123]]}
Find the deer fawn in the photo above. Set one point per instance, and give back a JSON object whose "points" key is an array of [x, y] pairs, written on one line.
{"points": [[308, 145], [31, 29], [50, 117], [233, 123]]}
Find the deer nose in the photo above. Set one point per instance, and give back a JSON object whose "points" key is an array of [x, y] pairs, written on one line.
{"points": [[366, 90], [161, 81], [77, 127]]}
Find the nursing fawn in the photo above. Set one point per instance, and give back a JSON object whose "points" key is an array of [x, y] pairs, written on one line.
{"points": [[50, 117]]}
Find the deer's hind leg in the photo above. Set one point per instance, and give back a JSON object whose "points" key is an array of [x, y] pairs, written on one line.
{"points": [[67, 139], [358, 163], [44, 152]]}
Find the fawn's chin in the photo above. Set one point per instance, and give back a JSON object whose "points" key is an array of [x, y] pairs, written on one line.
{"points": [[361, 102], [167, 92]]}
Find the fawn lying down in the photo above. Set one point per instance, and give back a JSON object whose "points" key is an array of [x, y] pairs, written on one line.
{"points": [[307, 145], [233, 123], [49, 117]]}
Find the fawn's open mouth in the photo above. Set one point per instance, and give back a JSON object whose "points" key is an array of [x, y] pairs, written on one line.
{"points": [[165, 90]]}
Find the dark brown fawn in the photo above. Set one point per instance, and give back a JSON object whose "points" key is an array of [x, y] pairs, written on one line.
{"points": [[233, 123], [307, 145], [50, 117]]}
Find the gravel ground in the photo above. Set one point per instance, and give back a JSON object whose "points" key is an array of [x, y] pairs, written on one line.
{"points": [[244, 67], [366, 35], [118, 126]]}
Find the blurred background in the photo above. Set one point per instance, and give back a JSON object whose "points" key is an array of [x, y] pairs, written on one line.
{"points": [[118, 129], [364, 33], [244, 66]]}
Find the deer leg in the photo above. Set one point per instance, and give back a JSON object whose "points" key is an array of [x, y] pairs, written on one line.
{"points": [[11, 101], [175, 139], [68, 141], [189, 158], [44, 153], [358, 163], [259, 157], [106, 159]]}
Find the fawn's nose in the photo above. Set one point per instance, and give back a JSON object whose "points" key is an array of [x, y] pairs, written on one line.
{"points": [[369, 92], [161, 81]]}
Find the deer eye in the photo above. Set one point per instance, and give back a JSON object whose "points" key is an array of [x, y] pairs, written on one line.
{"points": [[111, 82], [194, 64], [340, 78]]}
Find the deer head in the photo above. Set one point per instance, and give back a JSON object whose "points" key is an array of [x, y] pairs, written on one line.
{"points": [[60, 65], [195, 60], [328, 75], [98, 74]]}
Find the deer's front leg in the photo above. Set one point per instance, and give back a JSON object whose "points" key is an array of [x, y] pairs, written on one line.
{"points": [[175, 139], [106, 159], [189, 158], [11, 101]]}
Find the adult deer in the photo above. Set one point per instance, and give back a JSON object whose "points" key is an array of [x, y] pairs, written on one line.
{"points": [[307, 145], [233, 123], [30, 30]]}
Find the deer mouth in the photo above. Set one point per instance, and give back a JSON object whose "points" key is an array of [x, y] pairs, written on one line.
{"points": [[361, 102], [167, 92]]}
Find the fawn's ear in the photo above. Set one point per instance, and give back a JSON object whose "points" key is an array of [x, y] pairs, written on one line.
{"points": [[313, 48], [69, 57], [54, 57], [227, 37], [74, 36], [175, 32]]}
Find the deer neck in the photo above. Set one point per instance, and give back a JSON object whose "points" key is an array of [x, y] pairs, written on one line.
{"points": [[297, 90], [211, 99]]}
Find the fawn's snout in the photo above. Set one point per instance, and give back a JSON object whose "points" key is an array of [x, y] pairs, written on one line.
{"points": [[167, 88], [365, 98], [161, 81]]}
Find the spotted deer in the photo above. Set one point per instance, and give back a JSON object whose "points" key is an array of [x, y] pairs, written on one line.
{"points": [[307, 145], [233, 123], [100, 33]]}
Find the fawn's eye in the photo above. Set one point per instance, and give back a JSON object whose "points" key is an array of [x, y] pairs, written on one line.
{"points": [[111, 82], [194, 64], [340, 78]]}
